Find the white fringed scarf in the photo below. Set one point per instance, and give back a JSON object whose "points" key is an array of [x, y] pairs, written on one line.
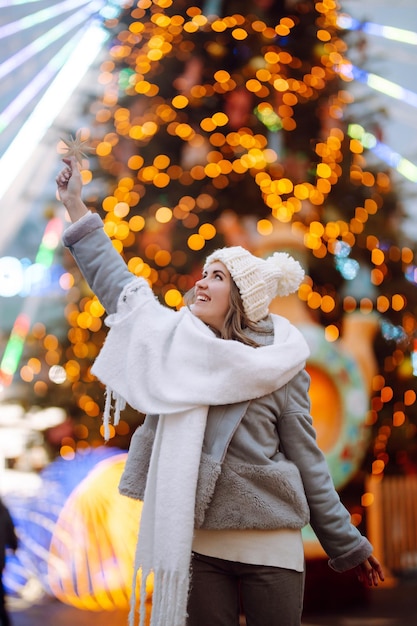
{"points": [[171, 364]]}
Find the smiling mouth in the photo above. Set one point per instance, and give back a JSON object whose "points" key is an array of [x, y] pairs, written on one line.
{"points": [[201, 298]]}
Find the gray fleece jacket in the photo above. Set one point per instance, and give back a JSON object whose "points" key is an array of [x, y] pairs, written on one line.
{"points": [[260, 466]]}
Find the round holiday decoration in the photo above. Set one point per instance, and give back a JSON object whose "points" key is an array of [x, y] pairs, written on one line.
{"points": [[339, 404]]}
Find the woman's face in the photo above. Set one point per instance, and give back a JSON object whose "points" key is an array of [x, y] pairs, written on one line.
{"points": [[212, 295]]}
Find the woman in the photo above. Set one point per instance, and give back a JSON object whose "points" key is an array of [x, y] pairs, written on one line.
{"points": [[226, 462]]}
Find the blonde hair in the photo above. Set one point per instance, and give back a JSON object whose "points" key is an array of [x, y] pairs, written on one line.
{"points": [[236, 320]]}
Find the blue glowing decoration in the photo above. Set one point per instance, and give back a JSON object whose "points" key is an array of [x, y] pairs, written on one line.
{"points": [[35, 516], [348, 268], [342, 249], [390, 332], [411, 274], [20, 277]]}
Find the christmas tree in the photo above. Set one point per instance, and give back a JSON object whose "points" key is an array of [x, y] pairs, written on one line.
{"points": [[230, 122]]}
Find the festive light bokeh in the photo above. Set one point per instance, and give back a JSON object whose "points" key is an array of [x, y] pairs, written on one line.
{"points": [[226, 135], [231, 123]]}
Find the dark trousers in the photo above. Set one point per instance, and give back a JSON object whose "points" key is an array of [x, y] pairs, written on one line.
{"points": [[221, 590], [4, 617]]}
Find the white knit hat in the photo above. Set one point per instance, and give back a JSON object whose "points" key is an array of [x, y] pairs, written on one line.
{"points": [[259, 280]]}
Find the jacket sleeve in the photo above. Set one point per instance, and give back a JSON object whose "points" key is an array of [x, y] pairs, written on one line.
{"points": [[329, 519], [101, 265]]}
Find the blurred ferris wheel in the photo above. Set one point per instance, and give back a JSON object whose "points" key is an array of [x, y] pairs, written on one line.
{"points": [[382, 40], [46, 49]]}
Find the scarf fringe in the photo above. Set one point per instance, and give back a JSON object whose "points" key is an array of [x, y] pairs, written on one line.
{"points": [[169, 600], [113, 402]]}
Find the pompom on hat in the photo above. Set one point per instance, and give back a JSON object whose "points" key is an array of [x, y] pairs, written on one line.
{"points": [[259, 280]]}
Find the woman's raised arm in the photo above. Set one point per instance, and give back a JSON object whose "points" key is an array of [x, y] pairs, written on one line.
{"points": [[70, 186]]}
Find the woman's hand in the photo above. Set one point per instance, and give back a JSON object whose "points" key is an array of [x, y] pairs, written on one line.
{"points": [[370, 572], [70, 185]]}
